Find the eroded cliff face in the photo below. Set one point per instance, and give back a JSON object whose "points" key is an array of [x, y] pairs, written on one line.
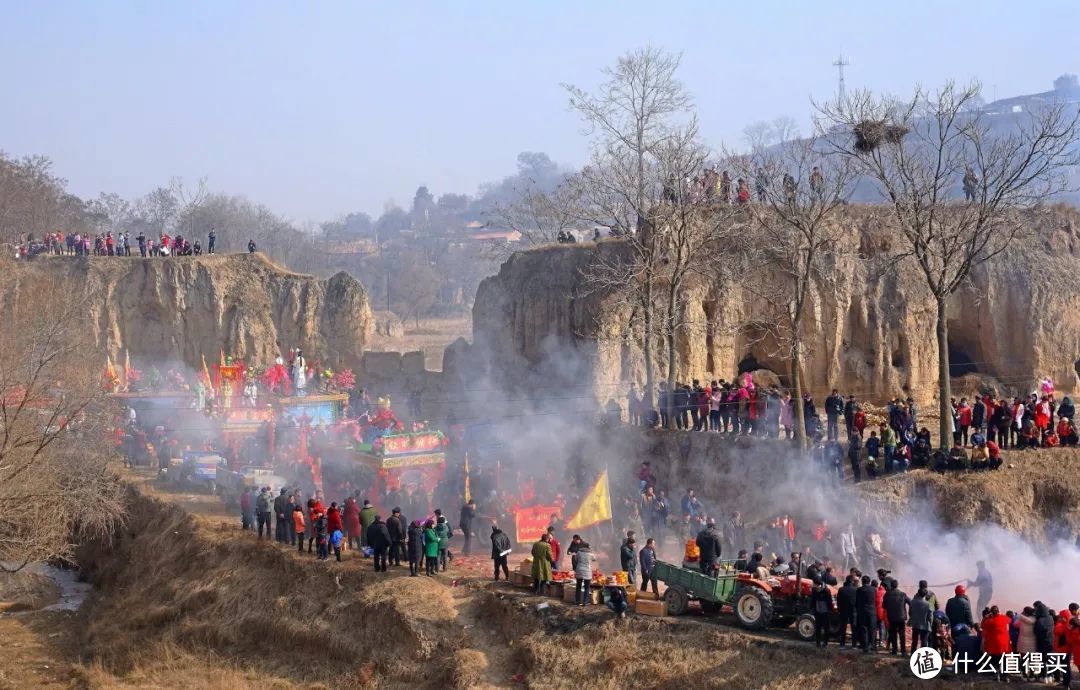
{"points": [[181, 308], [537, 323]]}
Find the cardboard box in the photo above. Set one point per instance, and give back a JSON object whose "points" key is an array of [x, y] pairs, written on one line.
{"points": [[647, 607], [648, 594]]}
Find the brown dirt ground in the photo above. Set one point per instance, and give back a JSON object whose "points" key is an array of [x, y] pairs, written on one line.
{"points": [[189, 601]]}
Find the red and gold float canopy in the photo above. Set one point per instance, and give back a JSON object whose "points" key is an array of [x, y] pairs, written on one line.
{"points": [[411, 443]]}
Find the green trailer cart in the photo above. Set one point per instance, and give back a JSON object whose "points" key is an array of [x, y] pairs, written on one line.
{"points": [[756, 604], [685, 585]]}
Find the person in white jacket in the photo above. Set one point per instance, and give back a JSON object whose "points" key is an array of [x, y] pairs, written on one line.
{"points": [[849, 547]]}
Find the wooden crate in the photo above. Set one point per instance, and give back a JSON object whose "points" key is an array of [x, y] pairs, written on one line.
{"points": [[521, 580], [648, 594], [569, 592], [648, 607]]}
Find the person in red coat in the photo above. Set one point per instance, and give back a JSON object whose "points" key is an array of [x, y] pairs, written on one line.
{"points": [[882, 616], [333, 519], [352, 521], [995, 636], [556, 551]]}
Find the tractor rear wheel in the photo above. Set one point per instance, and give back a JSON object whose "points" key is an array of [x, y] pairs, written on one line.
{"points": [[676, 600], [753, 607], [805, 626]]}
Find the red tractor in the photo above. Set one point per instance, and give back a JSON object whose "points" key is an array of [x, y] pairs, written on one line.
{"points": [[757, 604], [779, 602]]}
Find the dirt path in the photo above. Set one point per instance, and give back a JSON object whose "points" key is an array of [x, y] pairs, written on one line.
{"points": [[33, 652]]}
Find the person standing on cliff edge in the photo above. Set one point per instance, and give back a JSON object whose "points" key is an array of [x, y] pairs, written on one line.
{"points": [[211, 239]]}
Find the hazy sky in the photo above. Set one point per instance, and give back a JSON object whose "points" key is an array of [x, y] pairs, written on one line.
{"points": [[320, 108]]}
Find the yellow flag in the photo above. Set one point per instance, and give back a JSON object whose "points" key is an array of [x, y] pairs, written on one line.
{"points": [[468, 493], [206, 373], [595, 507]]}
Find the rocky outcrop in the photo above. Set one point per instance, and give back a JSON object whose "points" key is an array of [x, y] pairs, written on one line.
{"points": [[871, 332], [179, 309]]}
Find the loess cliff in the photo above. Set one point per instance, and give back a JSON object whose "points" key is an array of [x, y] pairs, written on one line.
{"points": [[181, 308], [871, 333]]}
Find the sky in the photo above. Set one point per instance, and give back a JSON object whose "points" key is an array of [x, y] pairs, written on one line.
{"points": [[317, 109]]}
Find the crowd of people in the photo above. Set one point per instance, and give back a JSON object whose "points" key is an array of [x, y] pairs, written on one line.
{"points": [[120, 244], [424, 544], [981, 428]]}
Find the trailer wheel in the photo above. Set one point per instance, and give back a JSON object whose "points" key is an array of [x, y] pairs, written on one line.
{"points": [[676, 600], [805, 626], [753, 607]]}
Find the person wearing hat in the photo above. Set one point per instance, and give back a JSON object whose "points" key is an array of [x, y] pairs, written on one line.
{"points": [[958, 609], [378, 538], [395, 525], [468, 514], [367, 517]]}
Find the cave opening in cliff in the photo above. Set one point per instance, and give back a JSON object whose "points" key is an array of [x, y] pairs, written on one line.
{"points": [[960, 362], [749, 363]]}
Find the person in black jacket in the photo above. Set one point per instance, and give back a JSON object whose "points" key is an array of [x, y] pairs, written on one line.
{"points": [[378, 538], [500, 550], [468, 514], [958, 609], [416, 548], [978, 414], [865, 614], [628, 559], [280, 525], [850, 408], [821, 603], [834, 407], [895, 604], [845, 605], [1043, 628], [395, 526], [708, 542]]}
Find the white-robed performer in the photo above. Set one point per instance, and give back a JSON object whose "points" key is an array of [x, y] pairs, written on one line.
{"points": [[299, 372]]}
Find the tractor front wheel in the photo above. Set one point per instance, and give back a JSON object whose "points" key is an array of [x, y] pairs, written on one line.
{"points": [[753, 607], [805, 626], [676, 599]]}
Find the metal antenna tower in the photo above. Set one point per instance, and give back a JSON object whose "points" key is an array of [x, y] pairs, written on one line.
{"points": [[840, 64]]}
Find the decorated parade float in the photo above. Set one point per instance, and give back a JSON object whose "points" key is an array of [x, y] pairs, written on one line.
{"points": [[290, 418], [400, 458]]}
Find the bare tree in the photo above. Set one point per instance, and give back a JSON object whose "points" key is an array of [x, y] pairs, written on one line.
{"points": [[54, 478], [695, 237], [921, 151], [765, 133], [189, 201], [113, 211], [158, 209], [798, 243], [540, 216], [630, 114]]}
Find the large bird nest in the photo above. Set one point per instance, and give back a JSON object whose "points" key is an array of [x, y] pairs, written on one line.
{"points": [[870, 134]]}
